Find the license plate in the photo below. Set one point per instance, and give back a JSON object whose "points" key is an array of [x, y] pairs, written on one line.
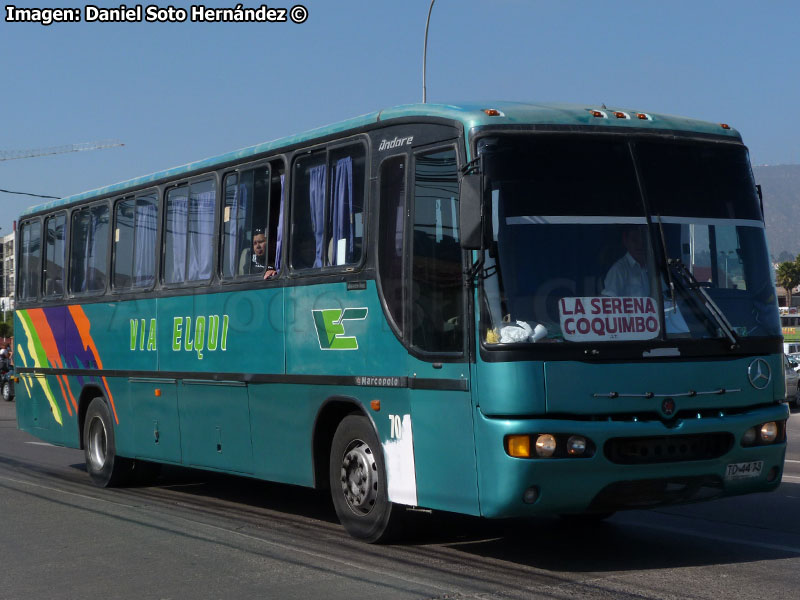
{"points": [[744, 470]]}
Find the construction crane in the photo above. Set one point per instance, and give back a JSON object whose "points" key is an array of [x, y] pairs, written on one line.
{"points": [[17, 154]]}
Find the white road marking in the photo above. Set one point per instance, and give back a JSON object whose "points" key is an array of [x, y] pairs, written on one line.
{"points": [[792, 477], [38, 443]]}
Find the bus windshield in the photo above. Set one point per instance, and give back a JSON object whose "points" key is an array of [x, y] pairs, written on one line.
{"points": [[607, 240]]}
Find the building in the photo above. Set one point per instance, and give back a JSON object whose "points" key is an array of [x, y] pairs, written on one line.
{"points": [[7, 273]]}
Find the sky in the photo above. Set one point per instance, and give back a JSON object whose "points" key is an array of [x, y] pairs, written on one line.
{"points": [[178, 92]]}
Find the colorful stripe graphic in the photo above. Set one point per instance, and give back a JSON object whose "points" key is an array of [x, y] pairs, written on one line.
{"points": [[60, 337], [39, 356]]}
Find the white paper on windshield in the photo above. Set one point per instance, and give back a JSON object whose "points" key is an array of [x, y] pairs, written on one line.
{"points": [[605, 318]]}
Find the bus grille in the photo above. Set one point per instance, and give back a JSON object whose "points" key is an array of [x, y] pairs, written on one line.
{"points": [[668, 448]]}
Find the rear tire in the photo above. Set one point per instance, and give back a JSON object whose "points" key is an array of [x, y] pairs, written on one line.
{"points": [[8, 391], [357, 476], [105, 468]]}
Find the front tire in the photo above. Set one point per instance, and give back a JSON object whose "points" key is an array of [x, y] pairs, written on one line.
{"points": [[105, 468], [357, 476]]}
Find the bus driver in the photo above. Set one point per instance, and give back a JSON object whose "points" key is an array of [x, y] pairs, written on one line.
{"points": [[629, 277]]}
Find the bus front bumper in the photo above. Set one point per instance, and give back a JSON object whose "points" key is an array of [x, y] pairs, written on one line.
{"points": [[519, 487]]}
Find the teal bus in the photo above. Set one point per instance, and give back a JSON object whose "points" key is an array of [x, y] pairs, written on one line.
{"points": [[447, 307]]}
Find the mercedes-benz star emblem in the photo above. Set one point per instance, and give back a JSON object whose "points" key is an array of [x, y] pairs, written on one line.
{"points": [[759, 373], [668, 407]]}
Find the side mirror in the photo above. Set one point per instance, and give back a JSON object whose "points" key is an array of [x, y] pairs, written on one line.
{"points": [[470, 211]]}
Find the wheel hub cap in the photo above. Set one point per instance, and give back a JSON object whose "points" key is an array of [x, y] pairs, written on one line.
{"points": [[97, 443], [359, 477]]}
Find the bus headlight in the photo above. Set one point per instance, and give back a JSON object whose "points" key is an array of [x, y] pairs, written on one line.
{"points": [[768, 432], [576, 445], [545, 445], [749, 437]]}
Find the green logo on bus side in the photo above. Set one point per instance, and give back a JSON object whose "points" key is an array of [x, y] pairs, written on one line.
{"points": [[330, 327]]}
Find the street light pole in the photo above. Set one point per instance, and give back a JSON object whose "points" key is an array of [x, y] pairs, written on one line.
{"points": [[425, 53]]}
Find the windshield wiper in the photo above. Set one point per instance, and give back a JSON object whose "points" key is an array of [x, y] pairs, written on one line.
{"points": [[703, 297], [695, 289], [665, 258]]}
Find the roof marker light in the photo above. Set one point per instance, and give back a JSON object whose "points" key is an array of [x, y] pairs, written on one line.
{"points": [[724, 125], [621, 115], [493, 112], [599, 114], [644, 117]]}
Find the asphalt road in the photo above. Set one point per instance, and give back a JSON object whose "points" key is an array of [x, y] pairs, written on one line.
{"points": [[201, 535]]}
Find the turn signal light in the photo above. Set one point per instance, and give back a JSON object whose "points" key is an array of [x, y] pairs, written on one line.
{"points": [[519, 446]]}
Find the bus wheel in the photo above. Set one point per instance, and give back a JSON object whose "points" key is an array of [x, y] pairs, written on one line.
{"points": [[102, 463], [8, 391], [358, 482]]}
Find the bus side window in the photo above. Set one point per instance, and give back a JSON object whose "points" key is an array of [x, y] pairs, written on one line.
{"points": [[245, 216], [327, 217], [346, 206], [30, 259], [308, 202], [135, 227], [436, 272], [55, 230], [189, 235], [89, 249]]}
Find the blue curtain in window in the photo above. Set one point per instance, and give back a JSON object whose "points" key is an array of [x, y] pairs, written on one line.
{"points": [[342, 214], [201, 236], [89, 253], [279, 243], [144, 258], [316, 192], [176, 228], [236, 229]]}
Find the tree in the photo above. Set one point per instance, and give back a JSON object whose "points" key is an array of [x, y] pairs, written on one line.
{"points": [[7, 325], [787, 276]]}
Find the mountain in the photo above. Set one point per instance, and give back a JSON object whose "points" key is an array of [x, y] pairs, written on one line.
{"points": [[780, 186]]}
